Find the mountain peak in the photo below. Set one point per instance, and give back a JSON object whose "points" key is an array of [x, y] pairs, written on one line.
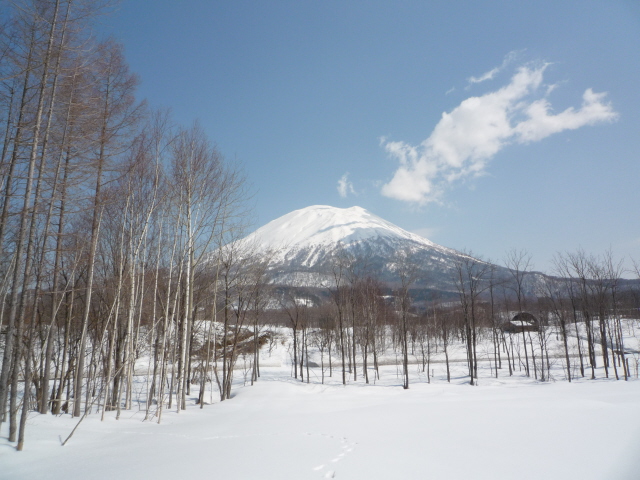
{"points": [[302, 244], [323, 224], [320, 228]]}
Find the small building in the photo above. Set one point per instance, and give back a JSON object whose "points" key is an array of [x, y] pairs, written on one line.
{"points": [[522, 322]]}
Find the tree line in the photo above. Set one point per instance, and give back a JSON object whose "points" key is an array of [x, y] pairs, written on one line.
{"points": [[586, 305], [108, 213]]}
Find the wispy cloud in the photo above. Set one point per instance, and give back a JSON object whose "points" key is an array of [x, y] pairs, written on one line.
{"points": [[345, 187], [467, 137], [426, 232], [510, 57]]}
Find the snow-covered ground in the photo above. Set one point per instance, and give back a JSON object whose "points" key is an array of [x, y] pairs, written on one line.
{"points": [[280, 428]]}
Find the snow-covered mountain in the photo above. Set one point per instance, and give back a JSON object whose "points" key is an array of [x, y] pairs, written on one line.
{"points": [[301, 245], [303, 241]]}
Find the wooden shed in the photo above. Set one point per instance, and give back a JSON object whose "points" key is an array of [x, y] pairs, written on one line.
{"points": [[522, 322]]}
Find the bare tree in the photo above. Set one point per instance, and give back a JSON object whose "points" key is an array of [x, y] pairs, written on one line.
{"points": [[116, 111], [406, 268], [470, 281], [339, 266], [519, 264]]}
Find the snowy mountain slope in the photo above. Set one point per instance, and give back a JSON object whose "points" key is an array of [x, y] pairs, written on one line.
{"points": [[303, 241], [324, 225]]}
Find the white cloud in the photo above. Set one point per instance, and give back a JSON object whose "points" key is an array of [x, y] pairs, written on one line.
{"points": [[510, 57], [345, 187], [466, 138], [485, 76], [427, 232], [541, 123]]}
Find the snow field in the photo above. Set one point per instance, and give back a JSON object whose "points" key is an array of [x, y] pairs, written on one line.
{"points": [[281, 428]]}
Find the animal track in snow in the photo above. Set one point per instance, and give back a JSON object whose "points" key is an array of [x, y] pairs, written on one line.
{"points": [[346, 447]]}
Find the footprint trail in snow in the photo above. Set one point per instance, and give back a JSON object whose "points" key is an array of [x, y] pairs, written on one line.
{"points": [[346, 448]]}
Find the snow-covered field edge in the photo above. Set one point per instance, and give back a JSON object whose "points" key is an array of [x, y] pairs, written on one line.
{"points": [[506, 427]]}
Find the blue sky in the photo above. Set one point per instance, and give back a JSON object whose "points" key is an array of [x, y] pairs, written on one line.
{"points": [[341, 103]]}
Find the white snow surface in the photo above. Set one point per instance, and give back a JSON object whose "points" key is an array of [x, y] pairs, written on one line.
{"points": [[322, 225], [280, 428]]}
